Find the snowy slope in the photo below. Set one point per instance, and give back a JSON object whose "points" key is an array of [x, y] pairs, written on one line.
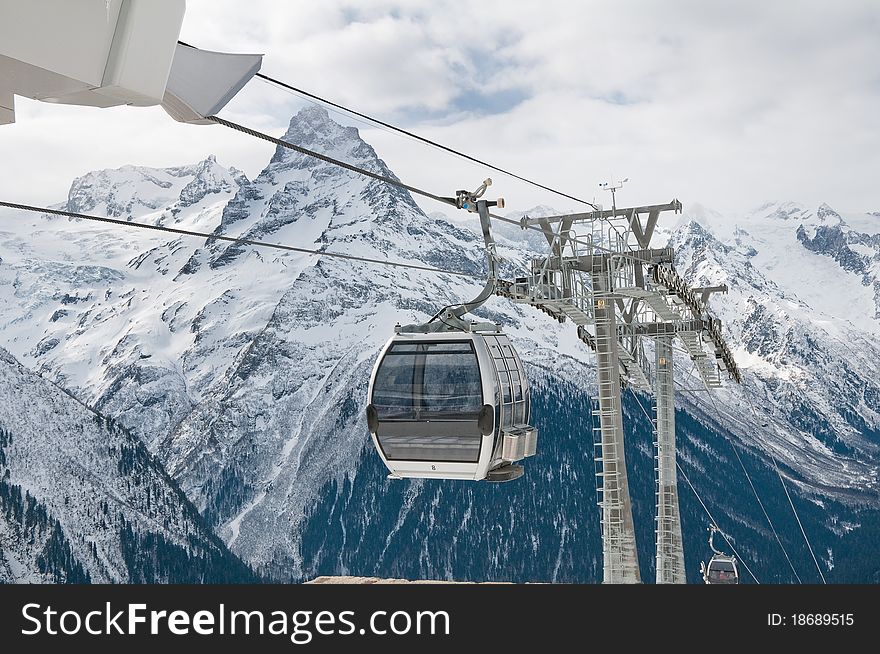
{"points": [[830, 262], [812, 379], [802, 319], [244, 369], [90, 306], [82, 500]]}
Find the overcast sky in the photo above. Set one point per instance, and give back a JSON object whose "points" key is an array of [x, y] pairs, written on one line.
{"points": [[729, 104]]}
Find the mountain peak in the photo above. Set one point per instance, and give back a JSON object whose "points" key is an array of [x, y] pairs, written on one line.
{"points": [[699, 213], [825, 212], [313, 113], [312, 126], [208, 177], [323, 199], [697, 229], [135, 191], [314, 129], [780, 210]]}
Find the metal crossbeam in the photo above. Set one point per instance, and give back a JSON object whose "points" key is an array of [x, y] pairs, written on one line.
{"points": [[646, 255], [662, 328], [606, 214]]}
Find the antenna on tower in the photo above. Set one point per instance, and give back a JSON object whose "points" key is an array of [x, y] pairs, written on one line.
{"points": [[613, 187]]}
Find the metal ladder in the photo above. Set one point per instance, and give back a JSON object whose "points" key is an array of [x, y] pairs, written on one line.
{"points": [[618, 537]]}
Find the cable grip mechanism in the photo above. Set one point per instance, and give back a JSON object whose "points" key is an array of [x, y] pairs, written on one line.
{"points": [[468, 199]]}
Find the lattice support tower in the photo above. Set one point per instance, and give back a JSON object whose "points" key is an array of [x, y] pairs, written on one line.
{"points": [[670, 550], [628, 292]]}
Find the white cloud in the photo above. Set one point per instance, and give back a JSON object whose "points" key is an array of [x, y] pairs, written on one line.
{"points": [[729, 104]]}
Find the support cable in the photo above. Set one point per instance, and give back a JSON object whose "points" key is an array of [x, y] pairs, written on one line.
{"points": [[230, 239], [419, 138], [778, 473], [705, 508], [404, 132], [699, 499], [757, 497], [396, 182], [790, 502]]}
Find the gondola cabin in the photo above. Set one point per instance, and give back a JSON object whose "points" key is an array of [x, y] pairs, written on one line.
{"points": [[721, 569], [451, 405]]}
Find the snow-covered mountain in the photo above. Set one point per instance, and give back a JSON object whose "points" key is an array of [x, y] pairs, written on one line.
{"points": [[244, 369], [801, 318], [82, 500]]}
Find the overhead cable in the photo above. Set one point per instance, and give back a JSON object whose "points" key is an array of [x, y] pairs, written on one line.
{"points": [[712, 520], [393, 181], [230, 239], [790, 502], [422, 139], [755, 492], [413, 135], [778, 473]]}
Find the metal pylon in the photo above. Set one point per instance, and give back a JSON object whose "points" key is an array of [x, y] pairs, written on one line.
{"points": [[670, 551], [627, 292], [621, 563]]}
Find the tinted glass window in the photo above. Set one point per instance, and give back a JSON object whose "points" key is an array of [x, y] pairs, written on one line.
{"points": [[424, 381], [722, 577], [520, 413], [459, 442], [505, 386], [722, 572], [437, 384]]}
